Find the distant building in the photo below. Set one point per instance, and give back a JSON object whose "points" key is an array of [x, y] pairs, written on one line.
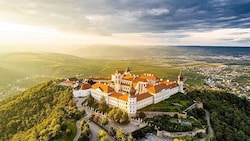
{"points": [[131, 92], [82, 90]]}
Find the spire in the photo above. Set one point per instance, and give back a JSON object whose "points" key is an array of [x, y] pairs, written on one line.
{"points": [[132, 91], [180, 77], [128, 69]]}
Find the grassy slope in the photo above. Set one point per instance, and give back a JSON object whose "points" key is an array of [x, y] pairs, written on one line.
{"points": [[24, 70], [167, 105]]}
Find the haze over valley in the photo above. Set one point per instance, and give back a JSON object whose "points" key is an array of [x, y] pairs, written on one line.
{"points": [[124, 70]]}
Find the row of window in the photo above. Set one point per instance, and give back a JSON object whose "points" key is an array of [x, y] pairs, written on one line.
{"points": [[118, 104]]}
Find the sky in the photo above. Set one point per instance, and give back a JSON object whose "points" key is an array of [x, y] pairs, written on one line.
{"points": [[49, 24]]}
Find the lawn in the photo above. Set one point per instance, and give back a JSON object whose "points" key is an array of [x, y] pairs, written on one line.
{"points": [[169, 105], [165, 123], [72, 126], [171, 124], [195, 123]]}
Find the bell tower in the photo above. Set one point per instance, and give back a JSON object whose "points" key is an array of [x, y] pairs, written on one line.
{"points": [[132, 102], [128, 71], [117, 81], [181, 82]]}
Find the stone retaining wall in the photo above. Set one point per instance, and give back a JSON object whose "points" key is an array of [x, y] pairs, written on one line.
{"points": [[179, 134], [172, 114]]}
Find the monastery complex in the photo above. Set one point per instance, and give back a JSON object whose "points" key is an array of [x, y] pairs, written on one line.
{"points": [[127, 91]]}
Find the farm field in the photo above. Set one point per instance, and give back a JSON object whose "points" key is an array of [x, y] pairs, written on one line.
{"points": [[19, 71]]}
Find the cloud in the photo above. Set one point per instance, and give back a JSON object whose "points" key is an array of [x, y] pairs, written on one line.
{"points": [[158, 11], [130, 16], [164, 20], [239, 33]]}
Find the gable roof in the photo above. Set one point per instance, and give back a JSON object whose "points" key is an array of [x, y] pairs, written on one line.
{"points": [[103, 87], [172, 85], [128, 77], [143, 96], [85, 86], [120, 96], [138, 79], [156, 88]]}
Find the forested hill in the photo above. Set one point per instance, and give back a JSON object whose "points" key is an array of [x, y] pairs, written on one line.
{"points": [[36, 114], [230, 115]]}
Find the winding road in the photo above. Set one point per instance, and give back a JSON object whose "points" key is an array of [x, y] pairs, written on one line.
{"points": [[93, 127], [210, 129], [79, 107]]}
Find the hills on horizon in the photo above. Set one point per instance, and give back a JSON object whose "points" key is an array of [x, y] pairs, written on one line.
{"points": [[80, 50], [132, 52]]}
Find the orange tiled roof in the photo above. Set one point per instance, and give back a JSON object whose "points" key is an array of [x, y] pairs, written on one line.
{"points": [[150, 77], [138, 79], [143, 96], [172, 85], [134, 84], [128, 77], [156, 88], [85, 86], [167, 82], [120, 96], [103, 87]]}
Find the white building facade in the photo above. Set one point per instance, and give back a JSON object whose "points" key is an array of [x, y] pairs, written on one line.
{"points": [[133, 92]]}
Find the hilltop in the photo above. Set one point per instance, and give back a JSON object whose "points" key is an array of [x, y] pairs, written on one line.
{"points": [[35, 114], [229, 113]]}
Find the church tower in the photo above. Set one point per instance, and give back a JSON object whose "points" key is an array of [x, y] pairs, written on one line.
{"points": [[132, 102], [117, 81], [128, 71], [181, 82]]}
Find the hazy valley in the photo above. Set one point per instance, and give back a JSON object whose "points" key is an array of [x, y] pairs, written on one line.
{"points": [[20, 71]]}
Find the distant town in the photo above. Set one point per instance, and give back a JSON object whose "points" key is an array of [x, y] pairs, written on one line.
{"points": [[232, 78]]}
